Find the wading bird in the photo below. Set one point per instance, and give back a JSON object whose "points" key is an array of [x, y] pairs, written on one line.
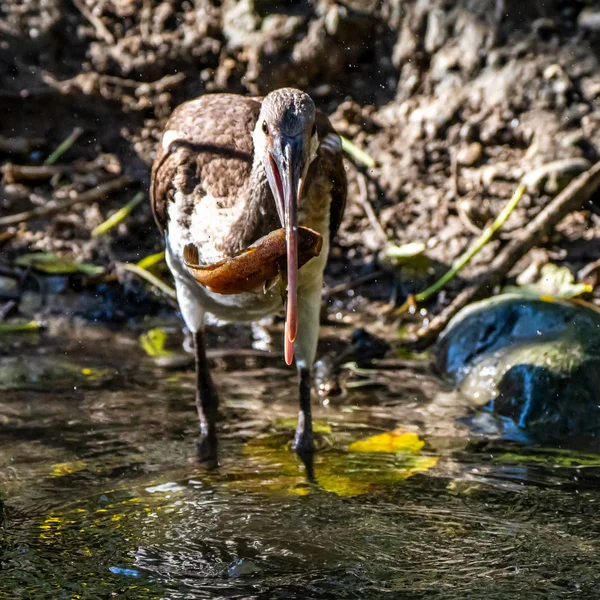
{"points": [[229, 170]]}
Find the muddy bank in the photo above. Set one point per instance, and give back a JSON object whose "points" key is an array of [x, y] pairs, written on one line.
{"points": [[456, 103]]}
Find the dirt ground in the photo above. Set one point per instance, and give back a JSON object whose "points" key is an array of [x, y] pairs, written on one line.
{"points": [[455, 101]]}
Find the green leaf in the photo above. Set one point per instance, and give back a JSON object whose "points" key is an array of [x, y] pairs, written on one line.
{"points": [[404, 252], [48, 262], [119, 216], [357, 154], [64, 146], [553, 282], [18, 327], [149, 261], [150, 278]]}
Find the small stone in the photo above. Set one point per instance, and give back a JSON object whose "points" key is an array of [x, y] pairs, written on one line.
{"points": [[9, 287], [436, 32], [476, 211], [470, 154], [243, 567], [553, 71], [488, 174], [589, 18]]}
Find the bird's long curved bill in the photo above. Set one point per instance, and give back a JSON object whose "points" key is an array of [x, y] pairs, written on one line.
{"points": [[285, 177], [290, 200]]}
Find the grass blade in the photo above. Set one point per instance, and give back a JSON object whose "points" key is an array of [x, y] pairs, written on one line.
{"points": [[119, 216]]}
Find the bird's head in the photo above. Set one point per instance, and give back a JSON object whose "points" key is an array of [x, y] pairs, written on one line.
{"points": [[285, 140]]}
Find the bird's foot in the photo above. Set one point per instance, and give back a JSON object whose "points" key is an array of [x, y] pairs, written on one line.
{"points": [[304, 446], [304, 443]]}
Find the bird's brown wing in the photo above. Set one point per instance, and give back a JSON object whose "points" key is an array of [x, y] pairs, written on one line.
{"points": [[163, 169], [331, 161], [206, 149]]}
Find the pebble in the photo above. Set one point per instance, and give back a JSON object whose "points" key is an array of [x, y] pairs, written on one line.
{"points": [[243, 567], [589, 19], [470, 154]]}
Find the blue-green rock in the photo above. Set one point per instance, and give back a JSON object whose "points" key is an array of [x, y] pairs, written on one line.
{"points": [[534, 361]]}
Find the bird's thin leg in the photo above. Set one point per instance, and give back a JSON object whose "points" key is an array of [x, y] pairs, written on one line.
{"points": [[303, 441], [207, 402]]}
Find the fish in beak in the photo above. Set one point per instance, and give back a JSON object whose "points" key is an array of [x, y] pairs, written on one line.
{"points": [[286, 170]]}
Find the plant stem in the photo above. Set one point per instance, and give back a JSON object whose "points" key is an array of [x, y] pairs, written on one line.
{"points": [[64, 146], [356, 153], [483, 239], [119, 216], [150, 278]]}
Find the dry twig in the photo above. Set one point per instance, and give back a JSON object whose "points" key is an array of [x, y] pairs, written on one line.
{"points": [[101, 31], [363, 200], [573, 197], [19, 145], [84, 82], [13, 173], [87, 197], [348, 285], [7, 235]]}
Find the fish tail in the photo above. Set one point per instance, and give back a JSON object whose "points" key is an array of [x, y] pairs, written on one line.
{"points": [[190, 255]]}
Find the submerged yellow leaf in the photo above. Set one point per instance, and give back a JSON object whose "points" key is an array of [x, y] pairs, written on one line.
{"points": [[346, 479], [390, 441], [153, 342], [319, 426], [67, 468], [298, 491], [274, 468], [423, 463], [344, 486]]}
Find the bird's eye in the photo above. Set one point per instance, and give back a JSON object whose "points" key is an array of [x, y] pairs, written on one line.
{"points": [[265, 128], [314, 130]]}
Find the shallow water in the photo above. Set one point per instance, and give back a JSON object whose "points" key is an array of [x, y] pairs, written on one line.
{"points": [[103, 499]]}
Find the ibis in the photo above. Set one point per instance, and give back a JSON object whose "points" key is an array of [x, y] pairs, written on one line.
{"points": [[229, 171]]}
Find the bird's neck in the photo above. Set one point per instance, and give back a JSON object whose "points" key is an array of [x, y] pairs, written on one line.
{"points": [[258, 215]]}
